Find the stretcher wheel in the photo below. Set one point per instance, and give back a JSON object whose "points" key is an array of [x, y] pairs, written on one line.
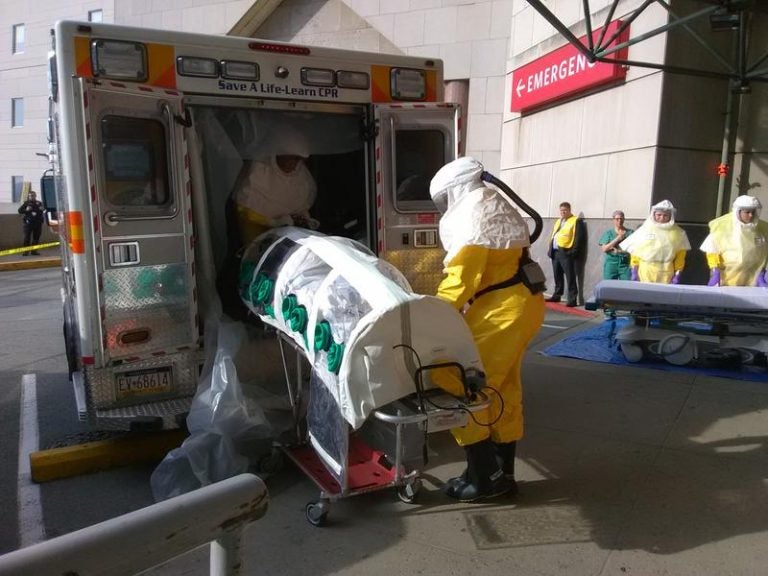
{"points": [[407, 493], [270, 463], [317, 513], [632, 352], [677, 349]]}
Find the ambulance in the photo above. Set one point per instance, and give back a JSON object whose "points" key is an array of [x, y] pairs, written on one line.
{"points": [[150, 133]]}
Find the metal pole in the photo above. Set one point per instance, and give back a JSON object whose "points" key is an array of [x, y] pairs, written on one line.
{"points": [[725, 152], [225, 555]]}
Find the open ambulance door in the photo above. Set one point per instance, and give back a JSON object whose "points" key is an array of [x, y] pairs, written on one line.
{"points": [[142, 233], [413, 142]]}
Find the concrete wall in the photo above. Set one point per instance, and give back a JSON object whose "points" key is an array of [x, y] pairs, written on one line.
{"points": [[24, 76], [202, 16]]}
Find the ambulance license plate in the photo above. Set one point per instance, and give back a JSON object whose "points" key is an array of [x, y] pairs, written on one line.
{"points": [[147, 382]]}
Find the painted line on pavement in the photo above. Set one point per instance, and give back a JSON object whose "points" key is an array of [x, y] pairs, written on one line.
{"points": [[31, 529]]}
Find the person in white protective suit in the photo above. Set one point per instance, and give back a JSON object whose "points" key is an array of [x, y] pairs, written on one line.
{"points": [[658, 248], [278, 191], [486, 243], [737, 246]]}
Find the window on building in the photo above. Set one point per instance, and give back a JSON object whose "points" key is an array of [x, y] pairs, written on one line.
{"points": [[18, 38], [17, 112], [17, 183], [95, 16]]}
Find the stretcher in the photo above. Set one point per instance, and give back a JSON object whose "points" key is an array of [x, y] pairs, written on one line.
{"points": [[714, 326], [369, 346]]}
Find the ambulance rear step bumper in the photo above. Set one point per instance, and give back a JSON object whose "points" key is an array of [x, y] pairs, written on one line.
{"points": [[161, 415]]}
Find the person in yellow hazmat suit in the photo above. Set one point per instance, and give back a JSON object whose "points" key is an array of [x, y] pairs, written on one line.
{"points": [[658, 248], [277, 191], [737, 246], [486, 243]]}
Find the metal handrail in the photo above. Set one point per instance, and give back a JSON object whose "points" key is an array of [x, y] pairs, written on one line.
{"points": [[140, 540]]}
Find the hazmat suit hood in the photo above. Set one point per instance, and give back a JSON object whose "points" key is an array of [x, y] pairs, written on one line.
{"points": [[746, 203], [474, 214], [663, 206]]}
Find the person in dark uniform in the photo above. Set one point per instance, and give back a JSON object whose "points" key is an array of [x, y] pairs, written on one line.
{"points": [[33, 216]]}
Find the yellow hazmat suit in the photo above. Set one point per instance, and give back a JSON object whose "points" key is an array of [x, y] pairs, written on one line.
{"points": [[737, 251], [270, 196], [657, 250], [484, 238]]}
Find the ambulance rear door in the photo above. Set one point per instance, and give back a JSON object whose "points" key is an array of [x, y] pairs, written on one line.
{"points": [[413, 142], [142, 221]]}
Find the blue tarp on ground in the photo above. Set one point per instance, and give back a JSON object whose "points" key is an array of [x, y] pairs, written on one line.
{"points": [[598, 344]]}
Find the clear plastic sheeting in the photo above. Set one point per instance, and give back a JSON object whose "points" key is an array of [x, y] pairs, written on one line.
{"points": [[220, 421], [353, 315]]}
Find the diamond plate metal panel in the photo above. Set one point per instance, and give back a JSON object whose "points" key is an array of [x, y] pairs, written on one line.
{"points": [[155, 298], [423, 268], [101, 387]]}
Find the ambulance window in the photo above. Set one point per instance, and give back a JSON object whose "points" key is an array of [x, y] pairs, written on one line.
{"points": [[419, 154], [134, 156]]}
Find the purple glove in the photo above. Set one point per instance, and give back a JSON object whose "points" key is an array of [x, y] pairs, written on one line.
{"points": [[714, 277], [675, 278], [762, 279], [633, 275]]}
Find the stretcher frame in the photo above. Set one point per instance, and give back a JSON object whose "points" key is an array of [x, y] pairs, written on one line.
{"points": [[370, 469]]}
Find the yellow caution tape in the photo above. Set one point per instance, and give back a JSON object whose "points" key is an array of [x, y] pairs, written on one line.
{"points": [[27, 248]]}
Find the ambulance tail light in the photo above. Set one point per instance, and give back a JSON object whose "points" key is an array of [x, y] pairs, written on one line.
{"points": [[134, 336], [354, 80], [119, 60], [279, 48], [75, 232]]}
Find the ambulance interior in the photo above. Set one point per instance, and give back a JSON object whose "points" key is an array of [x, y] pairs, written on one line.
{"points": [[229, 139], [334, 141]]}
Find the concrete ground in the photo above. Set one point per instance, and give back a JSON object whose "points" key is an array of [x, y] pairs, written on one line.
{"points": [[623, 470]]}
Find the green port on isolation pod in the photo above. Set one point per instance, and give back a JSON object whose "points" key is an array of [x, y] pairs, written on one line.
{"points": [[264, 293], [253, 289], [246, 275], [299, 318], [323, 336], [335, 354], [289, 303]]}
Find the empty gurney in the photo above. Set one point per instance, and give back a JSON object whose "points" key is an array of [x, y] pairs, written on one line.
{"points": [[725, 326]]}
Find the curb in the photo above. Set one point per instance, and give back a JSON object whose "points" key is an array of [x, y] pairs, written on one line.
{"points": [[30, 264], [69, 461], [563, 309]]}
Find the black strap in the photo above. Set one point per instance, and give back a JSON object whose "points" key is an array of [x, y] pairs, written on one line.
{"points": [[514, 280]]}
